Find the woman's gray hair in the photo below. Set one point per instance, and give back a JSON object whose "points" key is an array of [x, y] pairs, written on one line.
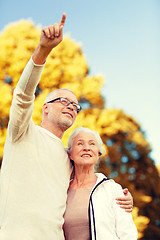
{"points": [[87, 130]]}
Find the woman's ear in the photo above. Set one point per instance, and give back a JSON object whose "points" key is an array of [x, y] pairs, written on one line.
{"points": [[99, 154], [69, 155]]}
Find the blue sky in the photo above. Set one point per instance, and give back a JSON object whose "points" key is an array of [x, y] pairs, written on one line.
{"points": [[120, 39]]}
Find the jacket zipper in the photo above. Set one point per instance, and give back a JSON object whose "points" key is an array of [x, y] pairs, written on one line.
{"points": [[91, 208]]}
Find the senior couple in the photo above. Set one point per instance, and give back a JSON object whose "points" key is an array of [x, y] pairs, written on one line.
{"points": [[38, 198]]}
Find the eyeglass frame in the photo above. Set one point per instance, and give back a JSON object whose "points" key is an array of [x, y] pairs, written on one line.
{"points": [[69, 102]]}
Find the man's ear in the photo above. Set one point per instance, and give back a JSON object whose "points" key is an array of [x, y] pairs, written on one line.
{"points": [[45, 108]]}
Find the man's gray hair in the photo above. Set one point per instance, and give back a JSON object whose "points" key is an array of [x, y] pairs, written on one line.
{"points": [[53, 94], [87, 130]]}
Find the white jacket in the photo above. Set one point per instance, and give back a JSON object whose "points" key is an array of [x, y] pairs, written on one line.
{"points": [[106, 219]]}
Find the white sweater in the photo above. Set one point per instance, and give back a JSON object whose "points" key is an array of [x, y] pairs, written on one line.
{"points": [[35, 171], [107, 219]]}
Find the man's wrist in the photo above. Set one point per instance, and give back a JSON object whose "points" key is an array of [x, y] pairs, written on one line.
{"points": [[40, 54]]}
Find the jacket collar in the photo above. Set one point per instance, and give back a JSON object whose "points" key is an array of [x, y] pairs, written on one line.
{"points": [[100, 177]]}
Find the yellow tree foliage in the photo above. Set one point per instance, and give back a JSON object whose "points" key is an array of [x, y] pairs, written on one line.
{"points": [[158, 168], [141, 222], [17, 43], [3, 133], [5, 99]]}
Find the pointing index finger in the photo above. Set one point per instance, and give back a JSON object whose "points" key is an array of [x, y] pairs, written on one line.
{"points": [[63, 19]]}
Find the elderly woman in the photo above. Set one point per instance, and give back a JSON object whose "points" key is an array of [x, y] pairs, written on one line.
{"points": [[91, 211]]}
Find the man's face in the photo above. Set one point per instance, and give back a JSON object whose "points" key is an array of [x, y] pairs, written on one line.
{"points": [[60, 115]]}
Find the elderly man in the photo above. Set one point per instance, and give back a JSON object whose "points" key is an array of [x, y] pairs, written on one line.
{"points": [[36, 170]]}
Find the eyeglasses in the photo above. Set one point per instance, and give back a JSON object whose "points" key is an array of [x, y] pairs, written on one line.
{"points": [[66, 102]]}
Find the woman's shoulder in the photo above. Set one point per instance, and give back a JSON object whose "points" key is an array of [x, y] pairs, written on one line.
{"points": [[110, 184]]}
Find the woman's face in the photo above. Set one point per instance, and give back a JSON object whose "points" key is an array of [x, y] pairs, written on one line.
{"points": [[84, 149]]}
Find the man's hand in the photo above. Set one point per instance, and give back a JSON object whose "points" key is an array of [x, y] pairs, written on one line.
{"points": [[50, 37], [126, 202]]}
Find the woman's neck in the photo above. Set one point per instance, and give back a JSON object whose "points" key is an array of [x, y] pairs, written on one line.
{"points": [[83, 178]]}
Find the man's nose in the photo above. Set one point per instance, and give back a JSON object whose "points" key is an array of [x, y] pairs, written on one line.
{"points": [[70, 106]]}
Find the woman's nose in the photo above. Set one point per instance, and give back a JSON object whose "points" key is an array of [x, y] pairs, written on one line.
{"points": [[86, 147]]}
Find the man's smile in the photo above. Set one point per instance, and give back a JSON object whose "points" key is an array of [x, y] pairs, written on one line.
{"points": [[68, 114]]}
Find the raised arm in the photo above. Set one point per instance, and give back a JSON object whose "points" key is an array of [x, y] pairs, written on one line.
{"points": [[22, 104], [50, 37]]}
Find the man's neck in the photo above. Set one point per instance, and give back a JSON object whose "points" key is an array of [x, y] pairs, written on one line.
{"points": [[57, 132]]}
